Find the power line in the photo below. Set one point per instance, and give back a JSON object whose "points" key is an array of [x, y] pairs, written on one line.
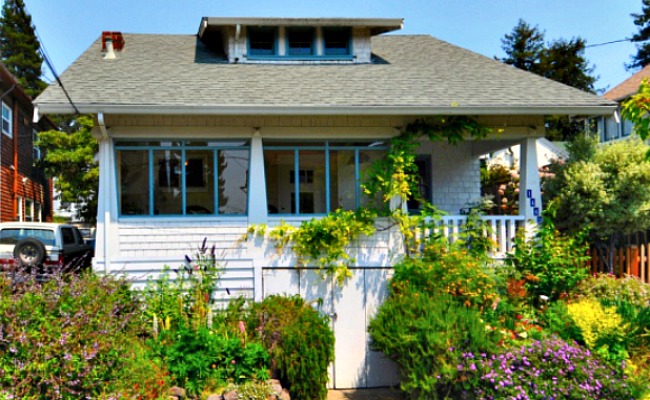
{"points": [[606, 43], [49, 64]]}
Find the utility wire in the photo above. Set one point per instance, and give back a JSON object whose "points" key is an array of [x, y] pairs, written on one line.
{"points": [[612, 42], [49, 64]]}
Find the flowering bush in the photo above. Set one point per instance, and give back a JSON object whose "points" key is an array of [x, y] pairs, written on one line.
{"points": [[548, 369], [69, 337]]}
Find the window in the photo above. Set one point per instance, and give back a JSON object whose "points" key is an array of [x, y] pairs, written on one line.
{"points": [[300, 41], [29, 210], [316, 178], [7, 120], [337, 41], [38, 212], [37, 150], [261, 41], [182, 178]]}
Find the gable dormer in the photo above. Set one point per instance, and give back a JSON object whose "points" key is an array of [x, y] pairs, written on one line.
{"points": [[294, 40]]}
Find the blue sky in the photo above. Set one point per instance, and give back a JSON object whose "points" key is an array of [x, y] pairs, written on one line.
{"points": [[68, 27]]}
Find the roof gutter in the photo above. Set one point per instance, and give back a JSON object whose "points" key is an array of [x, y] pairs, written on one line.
{"points": [[100, 109]]}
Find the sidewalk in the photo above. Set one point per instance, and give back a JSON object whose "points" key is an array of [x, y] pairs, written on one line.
{"points": [[365, 394]]}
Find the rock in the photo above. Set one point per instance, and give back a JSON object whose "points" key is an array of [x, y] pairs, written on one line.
{"points": [[215, 397], [178, 392], [275, 385], [285, 395], [232, 395]]}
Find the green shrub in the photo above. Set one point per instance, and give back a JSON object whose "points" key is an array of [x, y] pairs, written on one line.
{"points": [[69, 337], [202, 357], [552, 263], [300, 341], [427, 336]]}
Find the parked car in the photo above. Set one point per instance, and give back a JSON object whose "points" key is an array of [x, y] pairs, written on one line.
{"points": [[35, 244], [88, 235]]}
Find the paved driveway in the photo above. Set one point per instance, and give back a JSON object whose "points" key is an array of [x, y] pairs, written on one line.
{"points": [[365, 394]]}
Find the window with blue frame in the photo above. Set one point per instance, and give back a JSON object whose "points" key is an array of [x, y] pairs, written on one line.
{"points": [[262, 41], [7, 120], [300, 41], [182, 177], [336, 41], [318, 177]]}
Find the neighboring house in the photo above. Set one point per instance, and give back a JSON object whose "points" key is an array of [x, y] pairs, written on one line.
{"points": [[259, 120], [613, 127], [25, 192]]}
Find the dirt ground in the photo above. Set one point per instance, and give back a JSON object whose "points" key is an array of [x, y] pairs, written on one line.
{"points": [[365, 394]]}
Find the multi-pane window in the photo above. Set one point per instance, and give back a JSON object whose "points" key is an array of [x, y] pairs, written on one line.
{"points": [[316, 178], [300, 41], [182, 177], [261, 41], [7, 113], [336, 41]]}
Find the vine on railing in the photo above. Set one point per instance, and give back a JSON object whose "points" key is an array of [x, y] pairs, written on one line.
{"points": [[324, 241]]}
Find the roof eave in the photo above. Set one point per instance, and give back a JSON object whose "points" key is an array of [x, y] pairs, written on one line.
{"points": [[589, 110]]}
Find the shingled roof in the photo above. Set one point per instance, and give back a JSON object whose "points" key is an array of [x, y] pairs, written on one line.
{"points": [[629, 86], [411, 75]]}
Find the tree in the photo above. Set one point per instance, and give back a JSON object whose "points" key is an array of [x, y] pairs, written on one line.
{"points": [[604, 191], [70, 158], [19, 47], [642, 21], [523, 47], [560, 60], [563, 61]]}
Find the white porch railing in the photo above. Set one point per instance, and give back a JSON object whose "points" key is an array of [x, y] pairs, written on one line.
{"points": [[502, 230]]}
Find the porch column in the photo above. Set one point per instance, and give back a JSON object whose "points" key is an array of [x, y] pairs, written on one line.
{"points": [[257, 203], [530, 196], [106, 206]]}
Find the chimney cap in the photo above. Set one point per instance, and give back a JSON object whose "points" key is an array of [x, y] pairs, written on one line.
{"points": [[115, 37]]}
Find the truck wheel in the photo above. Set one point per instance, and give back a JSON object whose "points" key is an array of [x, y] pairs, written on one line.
{"points": [[29, 252]]}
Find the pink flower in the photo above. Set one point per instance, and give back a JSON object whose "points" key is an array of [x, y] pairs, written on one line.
{"points": [[242, 327]]}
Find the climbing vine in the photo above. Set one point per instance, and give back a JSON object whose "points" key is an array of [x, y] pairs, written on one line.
{"points": [[324, 241]]}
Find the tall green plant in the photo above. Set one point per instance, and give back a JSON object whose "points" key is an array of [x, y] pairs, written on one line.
{"points": [[551, 263], [300, 341]]}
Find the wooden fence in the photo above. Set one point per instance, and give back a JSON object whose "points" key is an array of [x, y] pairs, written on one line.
{"points": [[630, 259]]}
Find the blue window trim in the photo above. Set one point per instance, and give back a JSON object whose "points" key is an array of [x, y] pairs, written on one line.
{"points": [[297, 57], [183, 147], [276, 42], [288, 47], [350, 42], [326, 147]]}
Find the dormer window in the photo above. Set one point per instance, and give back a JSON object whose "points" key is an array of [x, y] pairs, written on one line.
{"points": [[336, 41], [262, 41], [301, 41], [258, 40]]}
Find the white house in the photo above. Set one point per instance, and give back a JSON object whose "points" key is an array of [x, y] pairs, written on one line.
{"points": [[258, 120]]}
